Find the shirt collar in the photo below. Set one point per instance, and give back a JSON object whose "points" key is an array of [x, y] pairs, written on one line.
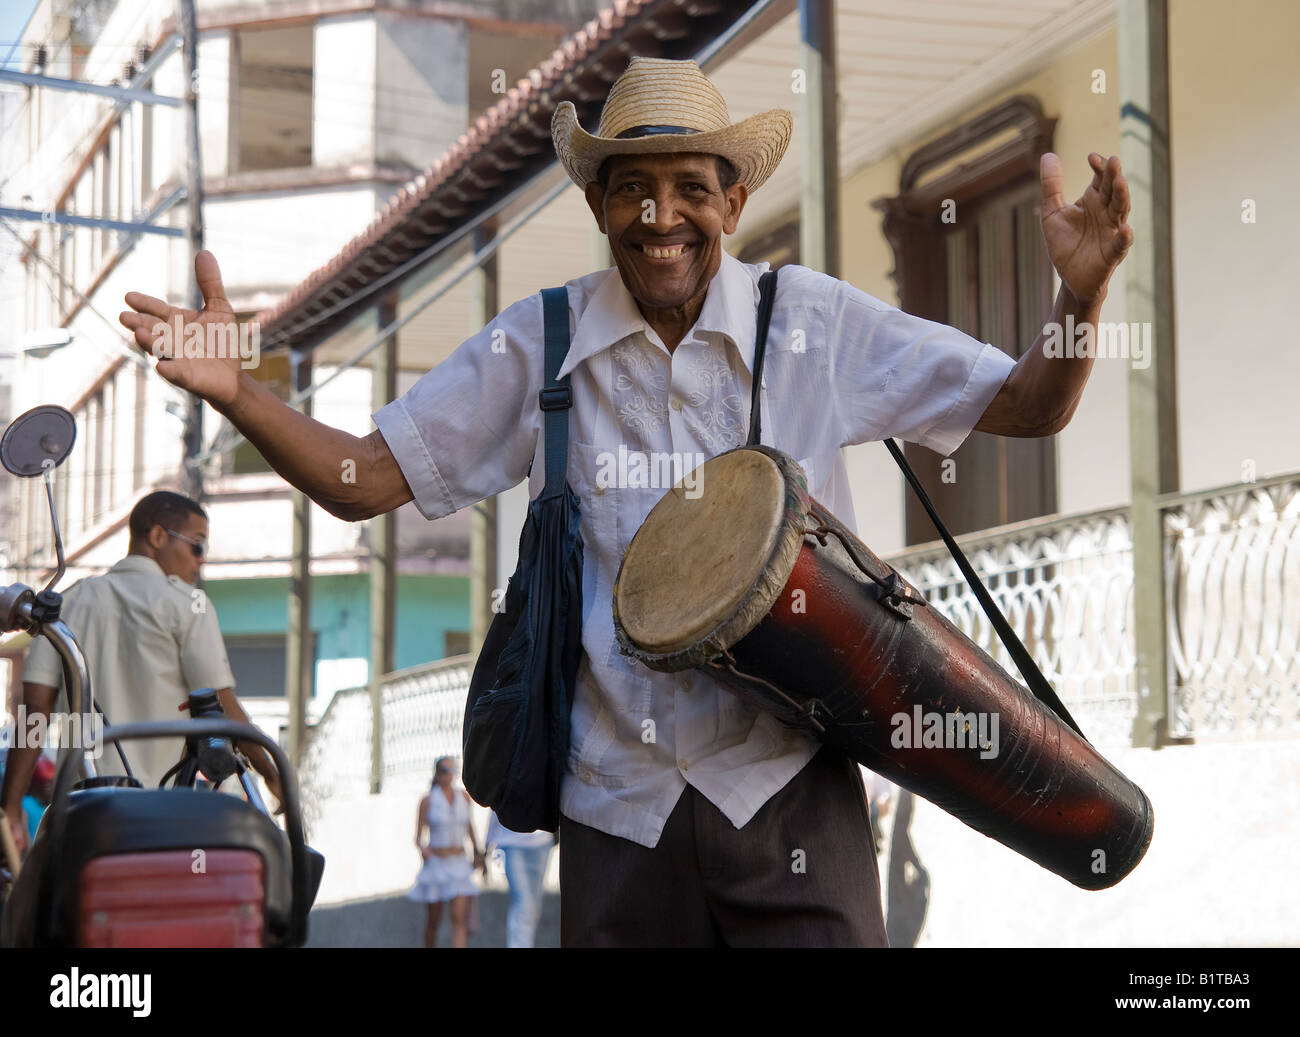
{"points": [[611, 315], [138, 564]]}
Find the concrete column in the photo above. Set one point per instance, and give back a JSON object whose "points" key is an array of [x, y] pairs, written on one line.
{"points": [[214, 92], [299, 657], [1147, 270], [483, 523], [421, 86], [383, 555], [819, 202]]}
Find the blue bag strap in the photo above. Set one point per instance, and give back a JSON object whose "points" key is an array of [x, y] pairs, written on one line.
{"points": [[556, 397]]}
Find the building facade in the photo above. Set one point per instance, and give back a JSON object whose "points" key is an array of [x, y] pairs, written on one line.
{"points": [[310, 120]]}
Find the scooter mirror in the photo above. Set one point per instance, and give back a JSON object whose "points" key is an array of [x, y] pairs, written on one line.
{"points": [[38, 440]]}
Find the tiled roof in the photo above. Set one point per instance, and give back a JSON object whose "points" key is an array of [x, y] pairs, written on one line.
{"points": [[505, 147]]}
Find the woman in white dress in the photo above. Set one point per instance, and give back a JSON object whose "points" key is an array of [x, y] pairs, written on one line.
{"points": [[447, 874]]}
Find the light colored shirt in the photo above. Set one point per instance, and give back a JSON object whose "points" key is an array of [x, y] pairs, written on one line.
{"points": [[149, 640], [448, 822], [841, 368], [507, 839]]}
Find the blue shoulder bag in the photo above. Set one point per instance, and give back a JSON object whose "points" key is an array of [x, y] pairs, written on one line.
{"points": [[516, 734]]}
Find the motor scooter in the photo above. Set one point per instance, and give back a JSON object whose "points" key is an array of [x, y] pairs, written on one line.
{"points": [[114, 864]]}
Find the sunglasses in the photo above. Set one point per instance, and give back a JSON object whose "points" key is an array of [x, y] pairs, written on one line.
{"points": [[197, 546]]}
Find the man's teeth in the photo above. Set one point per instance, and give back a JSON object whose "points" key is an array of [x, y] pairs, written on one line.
{"points": [[664, 253]]}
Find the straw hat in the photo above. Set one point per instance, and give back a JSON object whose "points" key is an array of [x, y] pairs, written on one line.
{"points": [[670, 106]]}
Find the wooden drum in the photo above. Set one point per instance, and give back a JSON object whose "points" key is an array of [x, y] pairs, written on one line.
{"points": [[744, 575]]}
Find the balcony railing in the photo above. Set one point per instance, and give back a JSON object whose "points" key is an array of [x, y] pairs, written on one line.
{"points": [[423, 711], [1232, 567], [1065, 583]]}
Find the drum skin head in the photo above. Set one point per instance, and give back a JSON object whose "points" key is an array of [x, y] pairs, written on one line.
{"points": [[703, 570]]}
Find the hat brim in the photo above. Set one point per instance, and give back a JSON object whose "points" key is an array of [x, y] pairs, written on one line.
{"points": [[754, 146]]}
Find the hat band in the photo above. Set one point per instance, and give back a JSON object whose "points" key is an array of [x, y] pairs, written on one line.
{"points": [[653, 131]]}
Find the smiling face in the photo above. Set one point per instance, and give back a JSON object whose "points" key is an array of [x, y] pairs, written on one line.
{"points": [[665, 216]]}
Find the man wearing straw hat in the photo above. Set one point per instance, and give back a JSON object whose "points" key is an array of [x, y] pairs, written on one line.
{"points": [[689, 818]]}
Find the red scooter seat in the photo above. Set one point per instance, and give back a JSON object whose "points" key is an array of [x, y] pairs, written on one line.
{"points": [[220, 867]]}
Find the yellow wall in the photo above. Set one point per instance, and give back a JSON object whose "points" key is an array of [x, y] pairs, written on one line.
{"points": [[1092, 453], [1235, 132]]}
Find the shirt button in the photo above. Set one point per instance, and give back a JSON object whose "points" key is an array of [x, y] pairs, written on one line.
{"points": [[683, 765], [676, 404], [684, 683], [586, 775]]}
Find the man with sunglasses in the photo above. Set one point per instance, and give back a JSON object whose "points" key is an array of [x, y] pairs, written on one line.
{"points": [[150, 638]]}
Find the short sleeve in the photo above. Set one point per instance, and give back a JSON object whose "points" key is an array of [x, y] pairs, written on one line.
{"points": [[894, 374], [43, 665], [204, 663], [468, 428]]}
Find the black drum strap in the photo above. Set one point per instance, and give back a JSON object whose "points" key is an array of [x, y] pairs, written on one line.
{"points": [[766, 295], [1028, 668]]}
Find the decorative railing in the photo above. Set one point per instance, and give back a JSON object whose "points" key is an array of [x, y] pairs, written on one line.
{"points": [[1065, 583], [423, 708], [1232, 575]]}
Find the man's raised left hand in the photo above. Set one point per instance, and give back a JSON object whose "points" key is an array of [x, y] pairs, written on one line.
{"points": [[1087, 240]]}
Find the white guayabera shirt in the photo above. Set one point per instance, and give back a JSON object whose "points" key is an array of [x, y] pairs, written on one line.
{"points": [[841, 368]]}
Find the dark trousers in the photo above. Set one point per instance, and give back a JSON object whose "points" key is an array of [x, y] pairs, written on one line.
{"points": [[801, 873]]}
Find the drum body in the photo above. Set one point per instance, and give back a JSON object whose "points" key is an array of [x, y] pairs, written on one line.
{"points": [[787, 608]]}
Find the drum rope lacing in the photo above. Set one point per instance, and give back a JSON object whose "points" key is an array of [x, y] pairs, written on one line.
{"points": [[807, 711], [898, 595]]}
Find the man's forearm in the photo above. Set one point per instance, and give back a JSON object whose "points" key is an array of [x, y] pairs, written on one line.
{"points": [[1042, 392], [330, 466], [20, 764], [258, 757]]}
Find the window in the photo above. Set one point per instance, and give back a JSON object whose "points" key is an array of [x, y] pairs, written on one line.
{"points": [[968, 250], [271, 98], [258, 663]]}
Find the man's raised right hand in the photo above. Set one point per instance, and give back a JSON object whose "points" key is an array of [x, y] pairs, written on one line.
{"points": [[215, 379]]}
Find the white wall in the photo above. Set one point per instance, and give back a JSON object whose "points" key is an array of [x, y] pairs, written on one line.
{"points": [[343, 76], [1220, 872], [268, 242], [369, 845]]}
